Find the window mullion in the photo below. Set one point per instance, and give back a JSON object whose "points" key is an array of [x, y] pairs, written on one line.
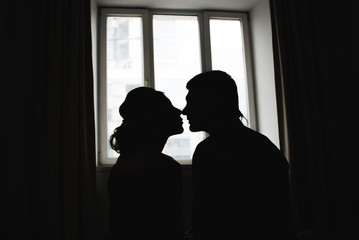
{"points": [[206, 43], [148, 49]]}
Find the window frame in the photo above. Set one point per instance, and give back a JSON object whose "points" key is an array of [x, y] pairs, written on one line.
{"points": [[243, 17], [149, 78]]}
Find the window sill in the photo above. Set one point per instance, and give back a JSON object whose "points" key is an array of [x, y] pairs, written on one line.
{"points": [[186, 168], [104, 167]]}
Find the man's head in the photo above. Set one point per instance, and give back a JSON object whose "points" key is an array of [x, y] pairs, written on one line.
{"points": [[212, 98]]}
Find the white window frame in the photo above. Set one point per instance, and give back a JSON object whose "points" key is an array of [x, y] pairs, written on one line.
{"points": [[243, 17], [147, 16]]}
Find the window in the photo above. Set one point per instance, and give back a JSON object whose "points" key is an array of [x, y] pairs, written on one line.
{"points": [[163, 50]]}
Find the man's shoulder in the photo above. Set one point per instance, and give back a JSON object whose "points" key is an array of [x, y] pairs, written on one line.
{"points": [[205, 148], [208, 142]]}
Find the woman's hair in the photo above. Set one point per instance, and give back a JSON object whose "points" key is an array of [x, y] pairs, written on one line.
{"points": [[139, 111], [221, 88]]}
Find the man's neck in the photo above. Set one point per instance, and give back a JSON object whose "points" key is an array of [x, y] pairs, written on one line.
{"points": [[225, 126]]}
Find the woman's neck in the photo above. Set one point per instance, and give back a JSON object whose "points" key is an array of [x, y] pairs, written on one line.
{"points": [[156, 144]]}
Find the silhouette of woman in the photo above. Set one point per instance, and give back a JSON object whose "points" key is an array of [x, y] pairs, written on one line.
{"points": [[145, 185]]}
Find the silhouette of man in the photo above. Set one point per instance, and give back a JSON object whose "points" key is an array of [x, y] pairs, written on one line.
{"points": [[240, 178]]}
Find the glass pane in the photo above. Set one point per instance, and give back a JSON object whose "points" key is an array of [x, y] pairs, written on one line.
{"points": [[124, 66], [227, 55], [176, 60]]}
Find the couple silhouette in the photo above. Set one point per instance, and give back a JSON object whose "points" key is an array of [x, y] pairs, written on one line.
{"points": [[240, 179]]}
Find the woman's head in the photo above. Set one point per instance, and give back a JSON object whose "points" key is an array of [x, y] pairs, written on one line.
{"points": [[147, 115]]}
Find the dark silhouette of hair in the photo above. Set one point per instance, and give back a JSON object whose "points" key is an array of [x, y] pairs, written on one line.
{"points": [[143, 107], [221, 87]]}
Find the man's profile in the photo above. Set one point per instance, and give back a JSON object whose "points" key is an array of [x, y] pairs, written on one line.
{"points": [[240, 178]]}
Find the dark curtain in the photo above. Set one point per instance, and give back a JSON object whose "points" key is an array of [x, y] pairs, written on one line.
{"points": [[47, 117], [316, 70]]}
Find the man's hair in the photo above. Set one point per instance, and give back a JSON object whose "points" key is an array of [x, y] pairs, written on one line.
{"points": [[221, 89]]}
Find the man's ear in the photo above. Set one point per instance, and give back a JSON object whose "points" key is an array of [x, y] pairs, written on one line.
{"points": [[212, 104]]}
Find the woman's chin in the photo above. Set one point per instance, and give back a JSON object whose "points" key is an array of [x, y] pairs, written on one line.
{"points": [[178, 131]]}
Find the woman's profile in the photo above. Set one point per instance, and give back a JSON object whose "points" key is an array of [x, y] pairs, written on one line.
{"points": [[145, 185]]}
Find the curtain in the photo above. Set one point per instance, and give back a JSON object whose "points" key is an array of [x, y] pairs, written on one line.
{"points": [[316, 62], [48, 140]]}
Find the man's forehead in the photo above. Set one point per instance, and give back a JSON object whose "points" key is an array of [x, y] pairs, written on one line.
{"points": [[194, 93]]}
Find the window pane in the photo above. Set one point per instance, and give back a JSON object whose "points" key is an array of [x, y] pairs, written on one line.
{"points": [[227, 54], [176, 60], [124, 66]]}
